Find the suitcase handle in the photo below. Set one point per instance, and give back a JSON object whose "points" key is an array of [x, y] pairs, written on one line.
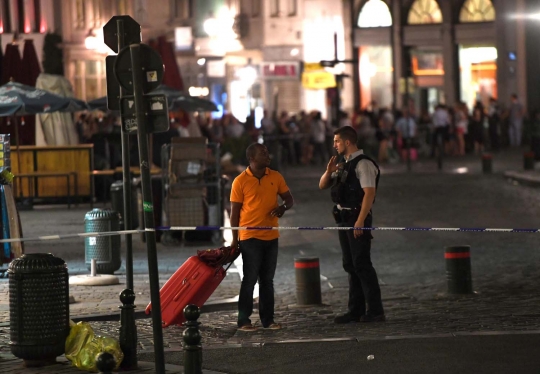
{"points": [[185, 285]]}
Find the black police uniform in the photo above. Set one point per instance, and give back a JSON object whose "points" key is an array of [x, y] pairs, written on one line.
{"points": [[348, 194]]}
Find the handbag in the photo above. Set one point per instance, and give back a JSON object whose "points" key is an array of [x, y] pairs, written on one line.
{"points": [[218, 256]]}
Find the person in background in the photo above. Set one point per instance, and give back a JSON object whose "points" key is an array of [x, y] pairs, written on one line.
{"points": [[494, 120], [254, 203], [516, 114], [406, 133], [462, 125]]}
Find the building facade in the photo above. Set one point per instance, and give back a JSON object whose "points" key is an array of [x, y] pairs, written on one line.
{"points": [[431, 51]]}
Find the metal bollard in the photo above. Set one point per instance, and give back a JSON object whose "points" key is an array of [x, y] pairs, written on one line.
{"points": [[128, 330], [192, 341], [528, 161], [308, 281], [458, 269], [487, 163], [38, 308], [105, 363]]}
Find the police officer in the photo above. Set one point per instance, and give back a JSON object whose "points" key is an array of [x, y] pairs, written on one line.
{"points": [[353, 178]]}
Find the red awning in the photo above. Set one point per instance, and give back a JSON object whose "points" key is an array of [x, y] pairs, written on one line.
{"points": [[171, 76]]}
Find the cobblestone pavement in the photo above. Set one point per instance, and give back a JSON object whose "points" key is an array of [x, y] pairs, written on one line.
{"points": [[410, 265]]}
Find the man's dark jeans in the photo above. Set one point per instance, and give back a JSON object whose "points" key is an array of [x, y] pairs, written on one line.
{"points": [[260, 260], [363, 281]]}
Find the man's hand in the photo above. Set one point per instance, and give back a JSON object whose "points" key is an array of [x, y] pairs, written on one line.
{"points": [[358, 233], [332, 166], [278, 212]]}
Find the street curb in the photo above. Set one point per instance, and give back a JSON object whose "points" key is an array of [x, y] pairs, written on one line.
{"points": [[213, 306], [523, 178]]}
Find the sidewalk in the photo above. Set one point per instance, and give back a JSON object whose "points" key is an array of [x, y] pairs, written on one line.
{"points": [[426, 329]]}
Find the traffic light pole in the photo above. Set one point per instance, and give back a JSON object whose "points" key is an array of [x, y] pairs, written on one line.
{"points": [[148, 208]]}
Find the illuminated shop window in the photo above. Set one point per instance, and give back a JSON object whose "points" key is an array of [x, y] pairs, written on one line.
{"points": [[477, 11], [424, 12], [375, 13]]}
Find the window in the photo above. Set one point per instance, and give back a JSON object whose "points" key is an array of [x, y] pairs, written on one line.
{"points": [[425, 12], [183, 9], [124, 7], [375, 13], [274, 8], [292, 7], [477, 11], [89, 79], [141, 11], [80, 15], [255, 8], [5, 18], [244, 6]]}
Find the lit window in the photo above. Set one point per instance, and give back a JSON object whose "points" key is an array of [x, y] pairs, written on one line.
{"points": [[274, 8], [424, 12], [255, 8], [183, 9], [89, 79], [80, 15], [375, 13], [477, 11], [124, 6], [292, 7]]}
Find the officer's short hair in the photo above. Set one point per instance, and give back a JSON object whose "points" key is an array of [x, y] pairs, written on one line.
{"points": [[347, 133], [252, 150]]}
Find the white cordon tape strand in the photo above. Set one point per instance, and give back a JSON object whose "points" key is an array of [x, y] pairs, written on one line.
{"points": [[312, 228]]}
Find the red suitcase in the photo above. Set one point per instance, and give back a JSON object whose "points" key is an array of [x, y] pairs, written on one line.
{"points": [[193, 283]]}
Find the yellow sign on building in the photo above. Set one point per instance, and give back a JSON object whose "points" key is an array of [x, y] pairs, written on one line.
{"points": [[317, 80]]}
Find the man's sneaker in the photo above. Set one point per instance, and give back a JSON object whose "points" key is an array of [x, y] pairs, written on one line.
{"points": [[248, 328], [371, 318], [273, 326], [346, 318]]}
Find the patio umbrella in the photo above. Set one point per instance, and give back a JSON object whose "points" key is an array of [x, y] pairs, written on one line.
{"points": [[17, 99], [56, 128], [176, 100]]}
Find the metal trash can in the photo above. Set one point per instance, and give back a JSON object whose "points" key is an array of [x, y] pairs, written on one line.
{"points": [[104, 249], [117, 203], [38, 307]]}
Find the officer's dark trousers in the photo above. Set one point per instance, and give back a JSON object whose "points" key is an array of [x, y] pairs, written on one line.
{"points": [[363, 283]]}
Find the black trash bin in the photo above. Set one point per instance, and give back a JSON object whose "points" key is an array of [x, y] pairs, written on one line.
{"points": [[117, 203], [104, 249], [38, 307]]}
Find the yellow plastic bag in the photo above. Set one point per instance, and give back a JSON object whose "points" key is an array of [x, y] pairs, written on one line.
{"points": [[83, 347]]}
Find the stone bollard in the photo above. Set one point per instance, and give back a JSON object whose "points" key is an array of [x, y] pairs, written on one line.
{"points": [[105, 363], [528, 161], [487, 163], [128, 330], [192, 341], [308, 281], [458, 269]]}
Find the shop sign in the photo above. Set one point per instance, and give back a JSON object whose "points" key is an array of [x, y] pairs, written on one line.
{"points": [[279, 70], [317, 80]]}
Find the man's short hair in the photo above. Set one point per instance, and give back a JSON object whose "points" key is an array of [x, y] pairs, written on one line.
{"points": [[347, 133], [252, 150]]}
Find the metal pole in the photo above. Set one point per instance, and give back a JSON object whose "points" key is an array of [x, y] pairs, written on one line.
{"points": [[128, 330], [126, 176], [148, 207], [339, 79]]}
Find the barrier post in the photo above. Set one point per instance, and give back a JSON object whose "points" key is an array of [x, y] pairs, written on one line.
{"points": [[487, 163], [458, 269], [528, 161], [308, 281]]}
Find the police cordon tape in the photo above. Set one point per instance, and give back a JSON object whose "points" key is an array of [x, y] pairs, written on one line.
{"points": [[222, 228]]}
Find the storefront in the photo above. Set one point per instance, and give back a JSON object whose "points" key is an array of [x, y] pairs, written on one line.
{"points": [[426, 51]]}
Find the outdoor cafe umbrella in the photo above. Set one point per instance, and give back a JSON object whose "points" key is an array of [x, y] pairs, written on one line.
{"points": [[17, 99], [176, 100]]}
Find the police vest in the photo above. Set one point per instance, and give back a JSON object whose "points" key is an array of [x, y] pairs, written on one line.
{"points": [[346, 189]]}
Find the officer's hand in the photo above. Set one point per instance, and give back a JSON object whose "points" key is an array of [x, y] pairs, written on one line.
{"points": [[332, 166], [358, 233]]}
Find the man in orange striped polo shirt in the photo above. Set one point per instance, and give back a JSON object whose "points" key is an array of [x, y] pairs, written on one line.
{"points": [[254, 203]]}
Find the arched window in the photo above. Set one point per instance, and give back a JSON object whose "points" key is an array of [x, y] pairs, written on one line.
{"points": [[424, 12], [375, 13], [477, 11]]}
